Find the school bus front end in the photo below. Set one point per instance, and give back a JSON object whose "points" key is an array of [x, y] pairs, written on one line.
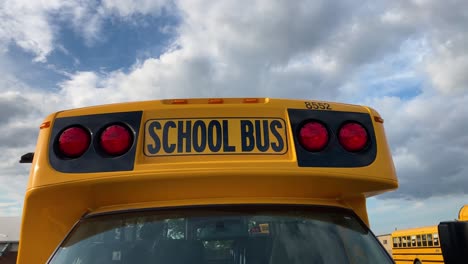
{"points": [[215, 173]]}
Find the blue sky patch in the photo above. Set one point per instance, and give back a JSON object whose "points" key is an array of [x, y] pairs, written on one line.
{"points": [[120, 44], [34, 74]]}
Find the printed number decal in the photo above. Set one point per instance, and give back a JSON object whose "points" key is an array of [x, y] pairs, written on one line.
{"points": [[317, 106]]}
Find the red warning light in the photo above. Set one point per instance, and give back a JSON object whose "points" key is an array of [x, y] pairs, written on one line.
{"points": [[313, 136], [353, 137], [115, 140], [73, 142]]}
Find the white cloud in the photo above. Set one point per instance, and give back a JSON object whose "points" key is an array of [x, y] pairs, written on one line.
{"points": [[407, 160], [392, 16], [126, 8], [225, 49], [13, 179], [448, 71], [22, 111], [430, 147], [442, 24], [27, 26]]}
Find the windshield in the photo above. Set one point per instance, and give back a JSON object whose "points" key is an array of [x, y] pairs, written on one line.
{"points": [[233, 235]]}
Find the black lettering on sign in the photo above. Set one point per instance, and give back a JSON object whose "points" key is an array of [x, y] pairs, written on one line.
{"points": [[263, 142], [214, 133], [215, 136], [168, 148], [184, 135], [247, 136], [199, 142], [226, 146], [154, 148], [279, 145]]}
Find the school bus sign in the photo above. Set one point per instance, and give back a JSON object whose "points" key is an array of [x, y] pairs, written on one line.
{"points": [[169, 137]]}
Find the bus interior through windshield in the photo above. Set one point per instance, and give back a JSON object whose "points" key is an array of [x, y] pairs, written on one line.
{"points": [[227, 235]]}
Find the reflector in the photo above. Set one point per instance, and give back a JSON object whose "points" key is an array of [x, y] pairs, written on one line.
{"points": [[353, 137], [115, 140], [73, 142], [313, 136]]}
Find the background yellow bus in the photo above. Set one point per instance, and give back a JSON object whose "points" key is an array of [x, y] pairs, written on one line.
{"points": [[238, 180], [417, 245], [420, 245]]}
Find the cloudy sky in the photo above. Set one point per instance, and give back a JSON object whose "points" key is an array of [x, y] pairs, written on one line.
{"points": [[407, 59]]}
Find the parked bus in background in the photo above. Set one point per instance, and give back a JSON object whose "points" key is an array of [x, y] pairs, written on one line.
{"points": [[215, 181], [421, 245], [416, 246]]}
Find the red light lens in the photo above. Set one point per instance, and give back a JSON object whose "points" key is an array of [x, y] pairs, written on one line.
{"points": [[353, 137], [115, 140], [73, 142], [313, 136]]}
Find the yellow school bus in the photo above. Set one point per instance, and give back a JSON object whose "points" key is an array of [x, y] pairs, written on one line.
{"points": [[463, 213], [416, 246], [421, 244], [223, 180]]}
